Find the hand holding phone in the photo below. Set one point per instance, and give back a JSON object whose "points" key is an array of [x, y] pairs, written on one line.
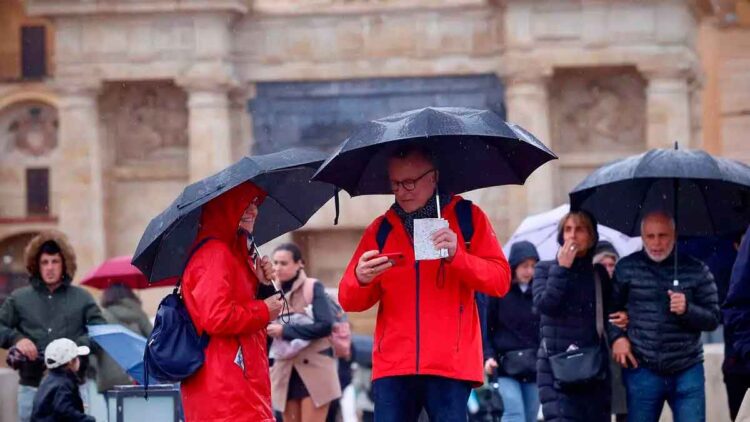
{"points": [[395, 258]]}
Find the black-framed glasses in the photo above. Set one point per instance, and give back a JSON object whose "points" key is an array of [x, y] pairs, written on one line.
{"points": [[409, 184]]}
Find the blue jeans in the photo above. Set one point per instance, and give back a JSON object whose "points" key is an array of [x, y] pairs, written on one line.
{"points": [[25, 402], [401, 399], [521, 400], [684, 391]]}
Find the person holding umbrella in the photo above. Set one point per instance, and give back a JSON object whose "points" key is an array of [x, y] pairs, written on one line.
{"points": [[570, 295], [661, 351], [428, 351], [219, 289]]}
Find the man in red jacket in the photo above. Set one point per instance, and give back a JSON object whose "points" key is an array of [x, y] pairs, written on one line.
{"points": [[427, 351]]}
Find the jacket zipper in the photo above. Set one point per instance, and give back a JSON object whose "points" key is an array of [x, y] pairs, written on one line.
{"points": [[416, 267], [460, 320]]}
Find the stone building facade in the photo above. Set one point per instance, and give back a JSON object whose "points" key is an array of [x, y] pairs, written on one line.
{"points": [[140, 98]]}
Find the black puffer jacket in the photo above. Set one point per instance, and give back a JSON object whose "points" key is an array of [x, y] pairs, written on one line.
{"points": [[661, 340], [566, 300]]}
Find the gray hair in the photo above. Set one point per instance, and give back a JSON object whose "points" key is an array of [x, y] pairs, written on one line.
{"points": [[658, 214]]}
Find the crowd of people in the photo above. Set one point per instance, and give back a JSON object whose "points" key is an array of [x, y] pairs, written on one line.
{"points": [[584, 336]]}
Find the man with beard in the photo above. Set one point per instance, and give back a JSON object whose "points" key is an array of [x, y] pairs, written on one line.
{"points": [[661, 351]]}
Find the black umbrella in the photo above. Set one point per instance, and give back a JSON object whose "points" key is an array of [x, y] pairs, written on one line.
{"points": [[705, 195], [473, 149], [291, 200]]}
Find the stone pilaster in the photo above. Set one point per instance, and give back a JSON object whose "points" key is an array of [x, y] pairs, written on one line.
{"points": [[209, 114], [527, 100], [78, 177], [668, 108]]}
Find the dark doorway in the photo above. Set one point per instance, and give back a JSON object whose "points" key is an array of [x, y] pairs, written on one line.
{"points": [[37, 192], [33, 52]]}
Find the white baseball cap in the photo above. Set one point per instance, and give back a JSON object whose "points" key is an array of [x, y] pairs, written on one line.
{"points": [[62, 351]]}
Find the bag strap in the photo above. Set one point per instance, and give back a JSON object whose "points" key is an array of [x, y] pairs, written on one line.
{"points": [[190, 256], [383, 231], [464, 214], [599, 304]]}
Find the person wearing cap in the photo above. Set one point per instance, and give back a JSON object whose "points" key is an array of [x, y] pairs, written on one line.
{"points": [[49, 308], [58, 398], [513, 330]]}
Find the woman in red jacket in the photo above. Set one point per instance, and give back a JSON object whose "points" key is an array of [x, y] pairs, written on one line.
{"points": [[219, 287]]}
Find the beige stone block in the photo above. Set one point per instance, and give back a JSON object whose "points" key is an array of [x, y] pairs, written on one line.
{"points": [[349, 36], [734, 83], [390, 35], [735, 141], [126, 223]]}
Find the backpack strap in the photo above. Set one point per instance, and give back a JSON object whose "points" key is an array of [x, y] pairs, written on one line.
{"points": [[464, 214], [383, 231], [190, 256]]}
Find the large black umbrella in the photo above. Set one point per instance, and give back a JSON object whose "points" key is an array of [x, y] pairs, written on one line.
{"points": [[291, 200], [473, 148], [705, 194]]}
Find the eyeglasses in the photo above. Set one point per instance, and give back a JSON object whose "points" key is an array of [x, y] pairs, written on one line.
{"points": [[408, 184]]}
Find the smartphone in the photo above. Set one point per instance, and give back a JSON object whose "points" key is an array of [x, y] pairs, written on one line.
{"points": [[396, 258]]}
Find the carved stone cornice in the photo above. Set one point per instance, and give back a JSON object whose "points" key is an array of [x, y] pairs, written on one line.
{"points": [[84, 7], [208, 76]]}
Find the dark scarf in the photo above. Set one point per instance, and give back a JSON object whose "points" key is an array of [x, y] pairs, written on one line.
{"points": [[427, 211]]}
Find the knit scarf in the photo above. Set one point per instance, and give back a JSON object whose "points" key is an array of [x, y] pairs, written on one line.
{"points": [[429, 210]]}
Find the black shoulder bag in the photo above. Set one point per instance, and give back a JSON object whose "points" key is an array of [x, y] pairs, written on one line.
{"points": [[587, 364]]}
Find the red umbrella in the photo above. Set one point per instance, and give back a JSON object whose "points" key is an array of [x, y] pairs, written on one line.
{"points": [[120, 270]]}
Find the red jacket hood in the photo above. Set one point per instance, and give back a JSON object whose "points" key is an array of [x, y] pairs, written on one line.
{"points": [[221, 216]]}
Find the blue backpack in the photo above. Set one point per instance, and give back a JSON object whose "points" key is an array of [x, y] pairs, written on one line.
{"points": [[174, 350]]}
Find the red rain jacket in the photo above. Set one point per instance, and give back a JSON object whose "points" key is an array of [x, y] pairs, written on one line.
{"points": [[219, 288], [424, 325]]}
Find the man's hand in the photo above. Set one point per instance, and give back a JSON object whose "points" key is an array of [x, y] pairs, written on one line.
{"points": [[567, 254], [265, 271], [446, 238], [368, 267], [490, 365], [28, 348], [677, 302], [622, 354], [275, 330], [274, 304], [619, 319]]}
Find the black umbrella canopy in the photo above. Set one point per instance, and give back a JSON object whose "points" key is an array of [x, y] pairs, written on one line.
{"points": [[711, 195], [291, 200], [473, 149]]}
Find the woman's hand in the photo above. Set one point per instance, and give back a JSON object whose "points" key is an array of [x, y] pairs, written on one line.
{"points": [[619, 319], [275, 330], [567, 254], [274, 304], [265, 271], [490, 365]]}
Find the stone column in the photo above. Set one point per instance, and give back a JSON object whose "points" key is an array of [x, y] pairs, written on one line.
{"points": [[668, 109], [77, 176], [209, 130], [528, 106]]}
